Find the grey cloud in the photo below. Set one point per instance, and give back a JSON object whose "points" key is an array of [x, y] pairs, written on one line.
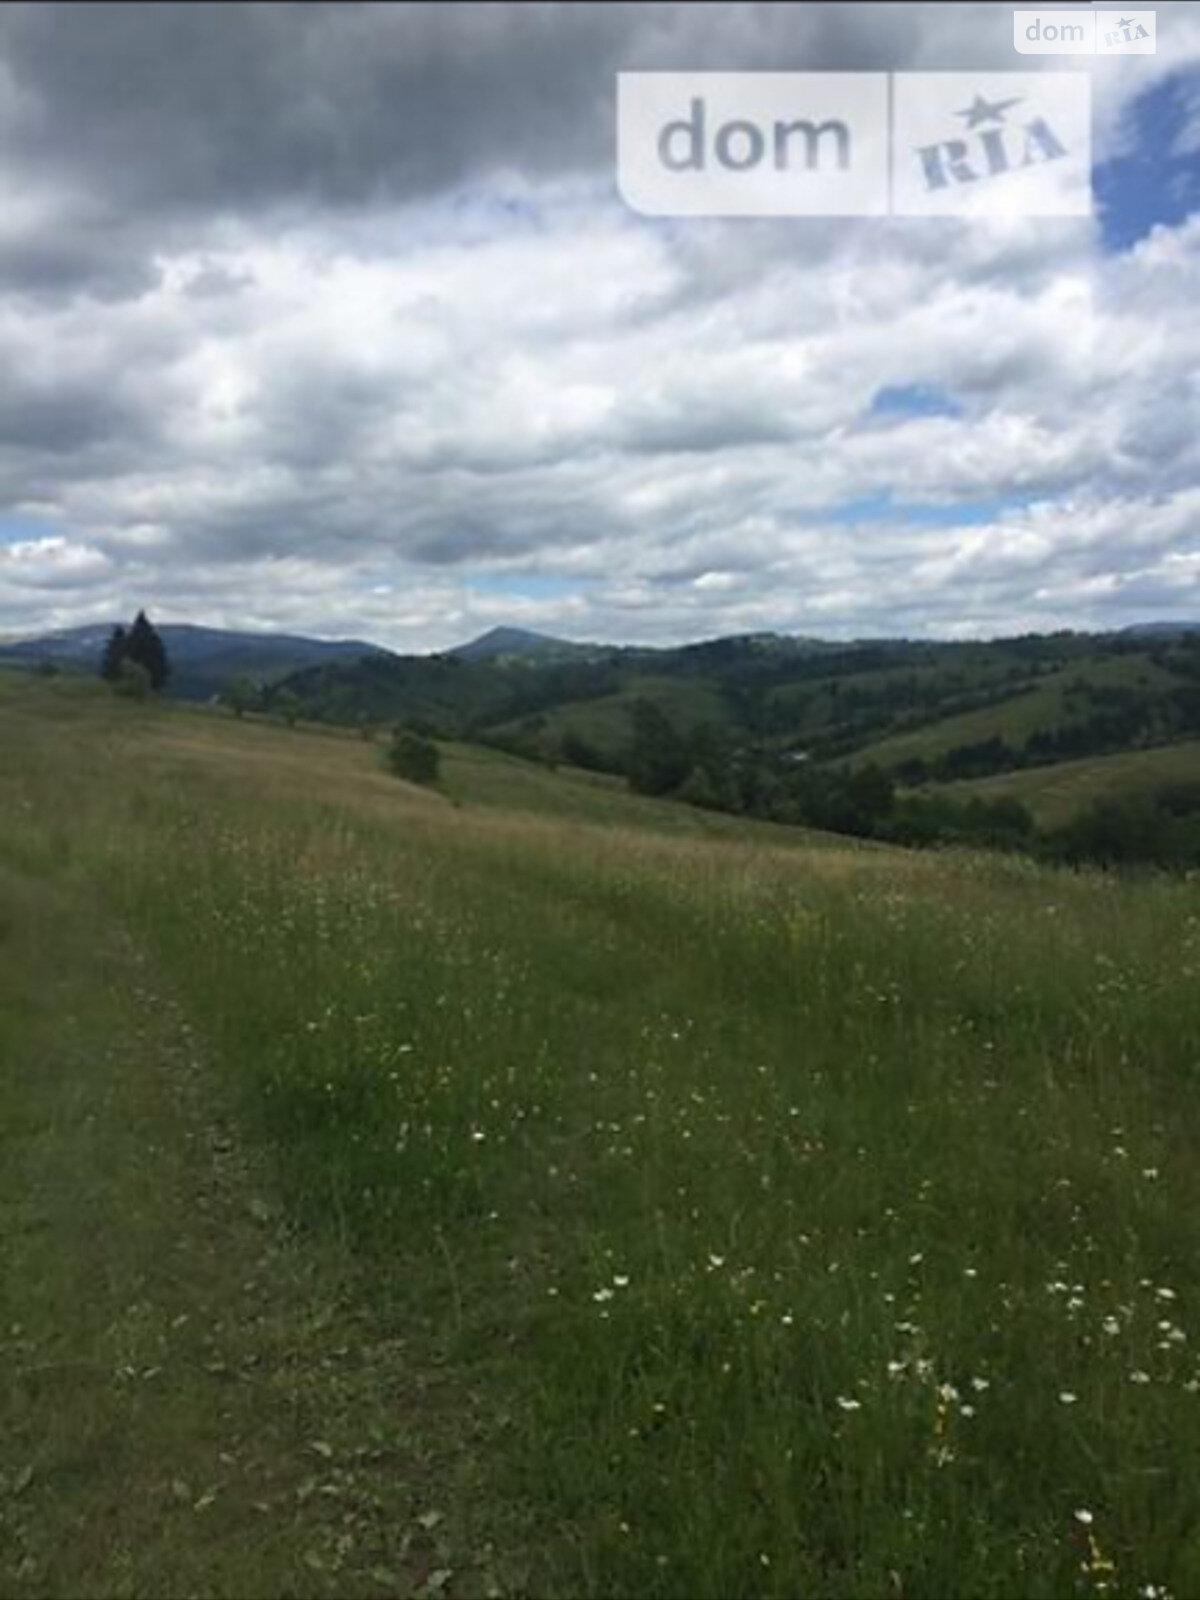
{"points": [[212, 105], [267, 340]]}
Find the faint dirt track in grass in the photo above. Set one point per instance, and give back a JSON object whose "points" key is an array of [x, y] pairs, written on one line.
{"points": [[190, 1404]]}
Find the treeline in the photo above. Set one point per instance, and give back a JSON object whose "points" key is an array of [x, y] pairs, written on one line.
{"points": [[1133, 721], [1161, 829], [707, 769]]}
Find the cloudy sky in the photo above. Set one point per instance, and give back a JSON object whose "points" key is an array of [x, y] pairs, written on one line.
{"points": [[332, 319]]}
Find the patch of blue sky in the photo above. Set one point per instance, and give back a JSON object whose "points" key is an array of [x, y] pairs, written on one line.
{"points": [[1157, 178], [19, 530], [914, 400], [881, 507]]}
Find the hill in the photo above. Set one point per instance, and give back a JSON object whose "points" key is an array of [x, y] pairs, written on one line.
{"points": [[520, 644], [523, 1187], [1056, 793], [748, 711], [923, 712]]}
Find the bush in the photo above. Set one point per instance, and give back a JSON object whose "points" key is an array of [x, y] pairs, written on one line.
{"points": [[413, 758], [132, 680]]}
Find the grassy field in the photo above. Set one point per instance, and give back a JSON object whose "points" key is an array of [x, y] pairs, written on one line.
{"points": [[1056, 793], [1047, 705], [606, 722], [776, 1219]]}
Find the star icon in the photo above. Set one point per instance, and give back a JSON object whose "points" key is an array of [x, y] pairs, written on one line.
{"points": [[982, 110], [1125, 22]]}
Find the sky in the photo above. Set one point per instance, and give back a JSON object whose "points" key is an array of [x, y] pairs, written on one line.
{"points": [[331, 319]]}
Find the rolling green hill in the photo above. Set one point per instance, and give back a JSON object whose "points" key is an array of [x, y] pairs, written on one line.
{"points": [[924, 712], [1052, 701], [1054, 794], [520, 1187], [604, 722]]}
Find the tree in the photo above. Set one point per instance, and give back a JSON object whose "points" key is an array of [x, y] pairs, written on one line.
{"points": [[411, 757], [240, 695], [144, 646], [872, 791], [114, 653], [715, 778], [287, 706], [658, 756]]}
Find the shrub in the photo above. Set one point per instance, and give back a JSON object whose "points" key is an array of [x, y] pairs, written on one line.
{"points": [[413, 758], [132, 680]]}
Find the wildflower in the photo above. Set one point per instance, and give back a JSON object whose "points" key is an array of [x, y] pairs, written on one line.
{"points": [[1085, 1517], [848, 1404], [1067, 1398], [1139, 1376]]}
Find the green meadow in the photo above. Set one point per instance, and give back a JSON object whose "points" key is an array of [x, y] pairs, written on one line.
{"points": [[1054, 794], [787, 1217]]}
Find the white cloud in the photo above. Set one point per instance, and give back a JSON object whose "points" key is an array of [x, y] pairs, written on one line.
{"points": [[356, 419]]}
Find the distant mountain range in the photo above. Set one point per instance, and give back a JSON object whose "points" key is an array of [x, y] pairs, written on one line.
{"points": [[203, 660]]}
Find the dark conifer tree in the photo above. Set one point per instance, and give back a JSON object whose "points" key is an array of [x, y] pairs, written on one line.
{"points": [[147, 649], [114, 653]]}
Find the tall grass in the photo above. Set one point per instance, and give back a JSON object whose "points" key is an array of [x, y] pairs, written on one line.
{"points": [[821, 1224]]}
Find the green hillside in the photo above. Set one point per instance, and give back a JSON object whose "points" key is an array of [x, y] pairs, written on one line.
{"points": [[604, 723], [887, 701], [796, 732], [1062, 698], [1056, 793], [503, 1189]]}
